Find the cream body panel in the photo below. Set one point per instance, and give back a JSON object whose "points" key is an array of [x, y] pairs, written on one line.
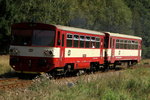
{"points": [[120, 52], [36, 51], [76, 52]]}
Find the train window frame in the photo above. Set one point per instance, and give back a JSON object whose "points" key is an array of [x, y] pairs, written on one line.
{"points": [[41, 38], [82, 41], [117, 44], [132, 44], [87, 41], [136, 45], [93, 42], [75, 40], [117, 40], [97, 40], [129, 44], [93, 39], [125, 44], [121, 43], [69, 40], [121, 40], [129, 41], [70, 35]]}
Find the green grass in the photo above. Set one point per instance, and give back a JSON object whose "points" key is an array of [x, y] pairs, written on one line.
{"points": [[131, 84]]}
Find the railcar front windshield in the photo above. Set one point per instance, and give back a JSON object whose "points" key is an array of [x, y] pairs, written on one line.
{"points": [[33, 37]]}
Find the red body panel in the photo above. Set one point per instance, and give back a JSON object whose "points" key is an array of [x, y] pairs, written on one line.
{"points": [[46, 64], [32, 64], [112, 47]]}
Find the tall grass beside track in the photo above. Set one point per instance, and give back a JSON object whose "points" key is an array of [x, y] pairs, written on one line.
{"points": [[4, 64], [131, 84]]}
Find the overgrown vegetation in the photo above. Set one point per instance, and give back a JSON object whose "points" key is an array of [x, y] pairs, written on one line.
{"points": [[131, 84], [4, 65], [122, 16]]}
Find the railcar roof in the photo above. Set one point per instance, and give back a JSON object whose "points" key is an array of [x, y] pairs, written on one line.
{"points": [[123, 35], [67, 28]]}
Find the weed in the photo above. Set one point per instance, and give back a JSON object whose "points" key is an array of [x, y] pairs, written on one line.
{"points": [[131, 84]]}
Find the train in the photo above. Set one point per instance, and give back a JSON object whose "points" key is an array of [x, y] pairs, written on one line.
{"points": [[39, 47]]}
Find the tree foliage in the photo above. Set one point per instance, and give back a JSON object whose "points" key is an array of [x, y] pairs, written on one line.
{"points": [[122, 16]]}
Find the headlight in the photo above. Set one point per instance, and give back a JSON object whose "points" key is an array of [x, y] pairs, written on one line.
{"points": [[48, 53], [14, 51]]}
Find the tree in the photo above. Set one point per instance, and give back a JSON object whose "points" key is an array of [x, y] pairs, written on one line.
{"points": [[104, 15], [47, 11], [6, 19], [121, 16], [141, 21]]}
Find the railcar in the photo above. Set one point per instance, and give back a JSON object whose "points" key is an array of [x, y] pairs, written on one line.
{"points": [[37, 47], [121, 48]]}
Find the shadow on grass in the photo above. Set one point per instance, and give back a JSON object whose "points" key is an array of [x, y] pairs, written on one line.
{"points": [[119, 68], [9, 74], [13, 74]]}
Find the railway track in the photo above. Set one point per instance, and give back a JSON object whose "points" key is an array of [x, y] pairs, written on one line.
{"points": [[10, 83], [13, 83], [86, 77], [92, 76]]}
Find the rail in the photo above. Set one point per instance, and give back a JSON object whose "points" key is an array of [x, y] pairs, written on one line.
{"points": [[10, 83]]}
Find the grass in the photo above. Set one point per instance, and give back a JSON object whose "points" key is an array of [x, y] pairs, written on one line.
{"points": [[128, 85], [131, 84], [145, 62], [4, 65]]}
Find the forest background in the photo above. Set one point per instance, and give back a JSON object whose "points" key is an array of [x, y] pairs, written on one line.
{"points": [[120, 16]]}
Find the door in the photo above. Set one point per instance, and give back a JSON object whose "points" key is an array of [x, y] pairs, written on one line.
{"points": [[112, 42], [139, 50], [101, 51], [62, 50]]}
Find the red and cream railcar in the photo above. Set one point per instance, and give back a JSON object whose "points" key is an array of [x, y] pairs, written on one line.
{"points": [[37, 47], [122, 48]]}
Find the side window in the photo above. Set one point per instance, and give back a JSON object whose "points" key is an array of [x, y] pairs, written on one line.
{"points": [[117, 43], [93, 42], [87, 42], [69, 40], [121, 44], [136, 44], [97, 42], [129, 44], [76, 40], [82, 41], [132, 44], [125, 44]]}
